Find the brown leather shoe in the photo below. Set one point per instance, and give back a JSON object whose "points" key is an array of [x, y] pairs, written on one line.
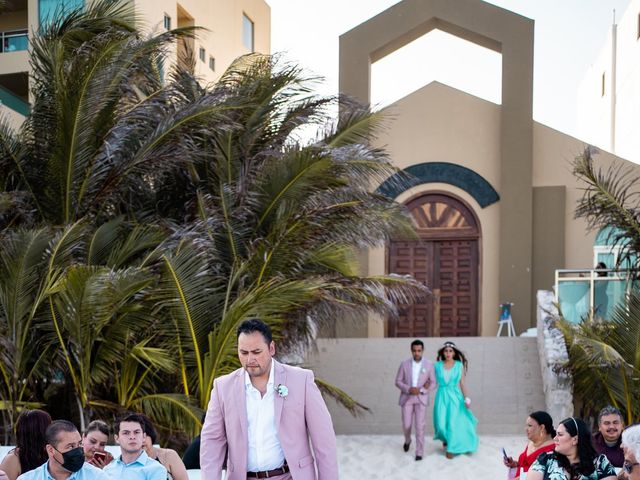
{"points": [[449, 455]]}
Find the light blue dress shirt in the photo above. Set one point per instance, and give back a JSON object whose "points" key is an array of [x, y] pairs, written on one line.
{"points": [[87, 472], [142, 468]]}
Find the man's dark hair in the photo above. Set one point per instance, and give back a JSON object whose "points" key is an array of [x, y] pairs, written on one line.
{"points": [[609, 410], [417, 342], [149, 429], [57, 426], [255, 325], [130, 417]]}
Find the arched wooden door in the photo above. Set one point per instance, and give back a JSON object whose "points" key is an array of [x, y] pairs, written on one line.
{"points": [[446, 259]]}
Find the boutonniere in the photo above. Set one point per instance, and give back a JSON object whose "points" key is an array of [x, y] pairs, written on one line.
{"points": [[424, 370], [282, 390]]}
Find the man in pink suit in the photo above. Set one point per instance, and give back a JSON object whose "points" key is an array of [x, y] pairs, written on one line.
{"points": [[261, 417], [415, 379]]}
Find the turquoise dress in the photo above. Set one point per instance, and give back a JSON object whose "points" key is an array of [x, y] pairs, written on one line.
{"points": [[454, 423]]}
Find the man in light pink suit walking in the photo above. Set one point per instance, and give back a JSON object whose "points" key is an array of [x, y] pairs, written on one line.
{"points": [[415, 379], [265, 418]]}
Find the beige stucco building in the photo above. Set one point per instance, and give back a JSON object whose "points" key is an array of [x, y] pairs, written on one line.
{"points": [[492, 191], [608, 97], [230, 28]]}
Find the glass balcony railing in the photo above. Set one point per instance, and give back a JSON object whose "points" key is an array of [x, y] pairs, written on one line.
{"points": [[579, 292], [12, 101], [14, 41]]}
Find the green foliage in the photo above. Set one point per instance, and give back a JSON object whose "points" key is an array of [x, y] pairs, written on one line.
{"points": [[605, 355], [141, 221], [605, 359]]}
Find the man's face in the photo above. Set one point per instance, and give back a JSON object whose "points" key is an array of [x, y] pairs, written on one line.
{"points": [[65, 442], [610, 427], [130, 437], [255, 354], [416, 352]]}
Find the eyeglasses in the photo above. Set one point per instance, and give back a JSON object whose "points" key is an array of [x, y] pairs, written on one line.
{"points": [[628, 467]]}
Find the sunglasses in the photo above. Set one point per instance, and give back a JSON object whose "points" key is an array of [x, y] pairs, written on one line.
{"points": [[628, 467]]}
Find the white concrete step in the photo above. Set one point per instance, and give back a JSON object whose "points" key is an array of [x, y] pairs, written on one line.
{"points": [[504, 380]]}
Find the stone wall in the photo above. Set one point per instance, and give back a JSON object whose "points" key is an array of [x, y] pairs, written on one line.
{"points": [[556, 381]]}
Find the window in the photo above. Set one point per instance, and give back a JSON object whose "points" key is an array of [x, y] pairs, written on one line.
{"points": [[603, 83], [202, 54], [167, 22], [247, 33], [212, 64], [15, 41], [47, 9]]}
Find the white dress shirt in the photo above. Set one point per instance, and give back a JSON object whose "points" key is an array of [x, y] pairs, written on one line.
{"points": [[416, 367], [264, 451]]}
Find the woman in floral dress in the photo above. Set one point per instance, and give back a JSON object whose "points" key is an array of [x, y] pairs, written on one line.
{"points": [[573, 458]]}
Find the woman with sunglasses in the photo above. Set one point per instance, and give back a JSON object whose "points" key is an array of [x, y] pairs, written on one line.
{"points": [[574, 457], [631, 447], [454, 424]]}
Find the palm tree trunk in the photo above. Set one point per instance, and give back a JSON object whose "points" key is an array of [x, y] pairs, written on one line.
{"points": [[82, 413]]}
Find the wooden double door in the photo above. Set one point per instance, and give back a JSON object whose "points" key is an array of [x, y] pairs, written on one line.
{"points": [[446, 259]]}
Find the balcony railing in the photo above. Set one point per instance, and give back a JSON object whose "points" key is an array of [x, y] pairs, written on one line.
{"points": [[579, 292], [14, 41], [11, 100]]}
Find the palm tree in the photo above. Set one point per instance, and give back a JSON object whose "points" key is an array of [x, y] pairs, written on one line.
{"points": [[610, 199], [101, 119], [23, 355], [604, 359], [271, 214], [603, 355], [176, 211]]}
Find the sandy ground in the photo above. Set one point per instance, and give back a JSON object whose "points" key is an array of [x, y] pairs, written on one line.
{"points": [[381, 456]]}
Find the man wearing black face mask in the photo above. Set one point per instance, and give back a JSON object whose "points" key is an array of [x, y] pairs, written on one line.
{"points": [[66, 456]]}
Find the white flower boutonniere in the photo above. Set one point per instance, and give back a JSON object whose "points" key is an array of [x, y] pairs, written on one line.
{"points": [[424, 370], [282, 390]]}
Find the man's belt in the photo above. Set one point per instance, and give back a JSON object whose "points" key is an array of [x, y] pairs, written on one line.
{"points": [[269, 473]]}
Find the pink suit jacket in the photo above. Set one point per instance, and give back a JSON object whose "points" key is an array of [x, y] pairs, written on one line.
{"points": [[403, 380], [299, 417]]}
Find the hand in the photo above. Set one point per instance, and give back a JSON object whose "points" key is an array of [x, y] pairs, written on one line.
{"points": [[3, 475], [467, 402], [426, 385], [99, 461], [414, 391], [510, 462]]}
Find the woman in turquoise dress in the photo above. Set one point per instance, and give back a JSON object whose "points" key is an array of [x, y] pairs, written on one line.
{"points": [[453, 421]]}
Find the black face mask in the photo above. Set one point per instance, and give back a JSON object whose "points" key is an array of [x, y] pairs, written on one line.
{"points": [[72, 460]]}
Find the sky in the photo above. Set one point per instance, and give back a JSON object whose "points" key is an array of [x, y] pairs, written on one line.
{"points": [[568, 36]]}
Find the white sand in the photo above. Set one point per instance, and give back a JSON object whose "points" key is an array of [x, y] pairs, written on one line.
{"points": [[362, 457]]}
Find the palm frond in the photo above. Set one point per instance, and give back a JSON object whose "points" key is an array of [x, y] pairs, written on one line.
{"points": [[341, 397]]}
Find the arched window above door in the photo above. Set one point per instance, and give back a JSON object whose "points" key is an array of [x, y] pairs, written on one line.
{"points": [[435, 215]]}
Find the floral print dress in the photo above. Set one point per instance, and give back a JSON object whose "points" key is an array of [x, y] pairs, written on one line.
{"points": [[548, 464]]}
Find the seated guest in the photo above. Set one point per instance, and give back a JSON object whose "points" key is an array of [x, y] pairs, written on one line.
{"points": [[609, 436], [133, 463], [167, 457], [191, 457], [30, 449], [94, 441], [65, 456], [540, 433], [631, 448], [573, 458]]}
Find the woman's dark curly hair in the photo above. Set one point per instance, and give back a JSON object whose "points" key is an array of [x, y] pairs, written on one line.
{"points": [[30, 439]]}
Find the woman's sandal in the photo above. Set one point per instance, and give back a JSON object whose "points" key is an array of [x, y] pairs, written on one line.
{"points": [[448, 455]]}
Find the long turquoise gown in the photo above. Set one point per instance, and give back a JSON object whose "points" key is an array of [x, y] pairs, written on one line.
{"points": [[453, 422]]}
